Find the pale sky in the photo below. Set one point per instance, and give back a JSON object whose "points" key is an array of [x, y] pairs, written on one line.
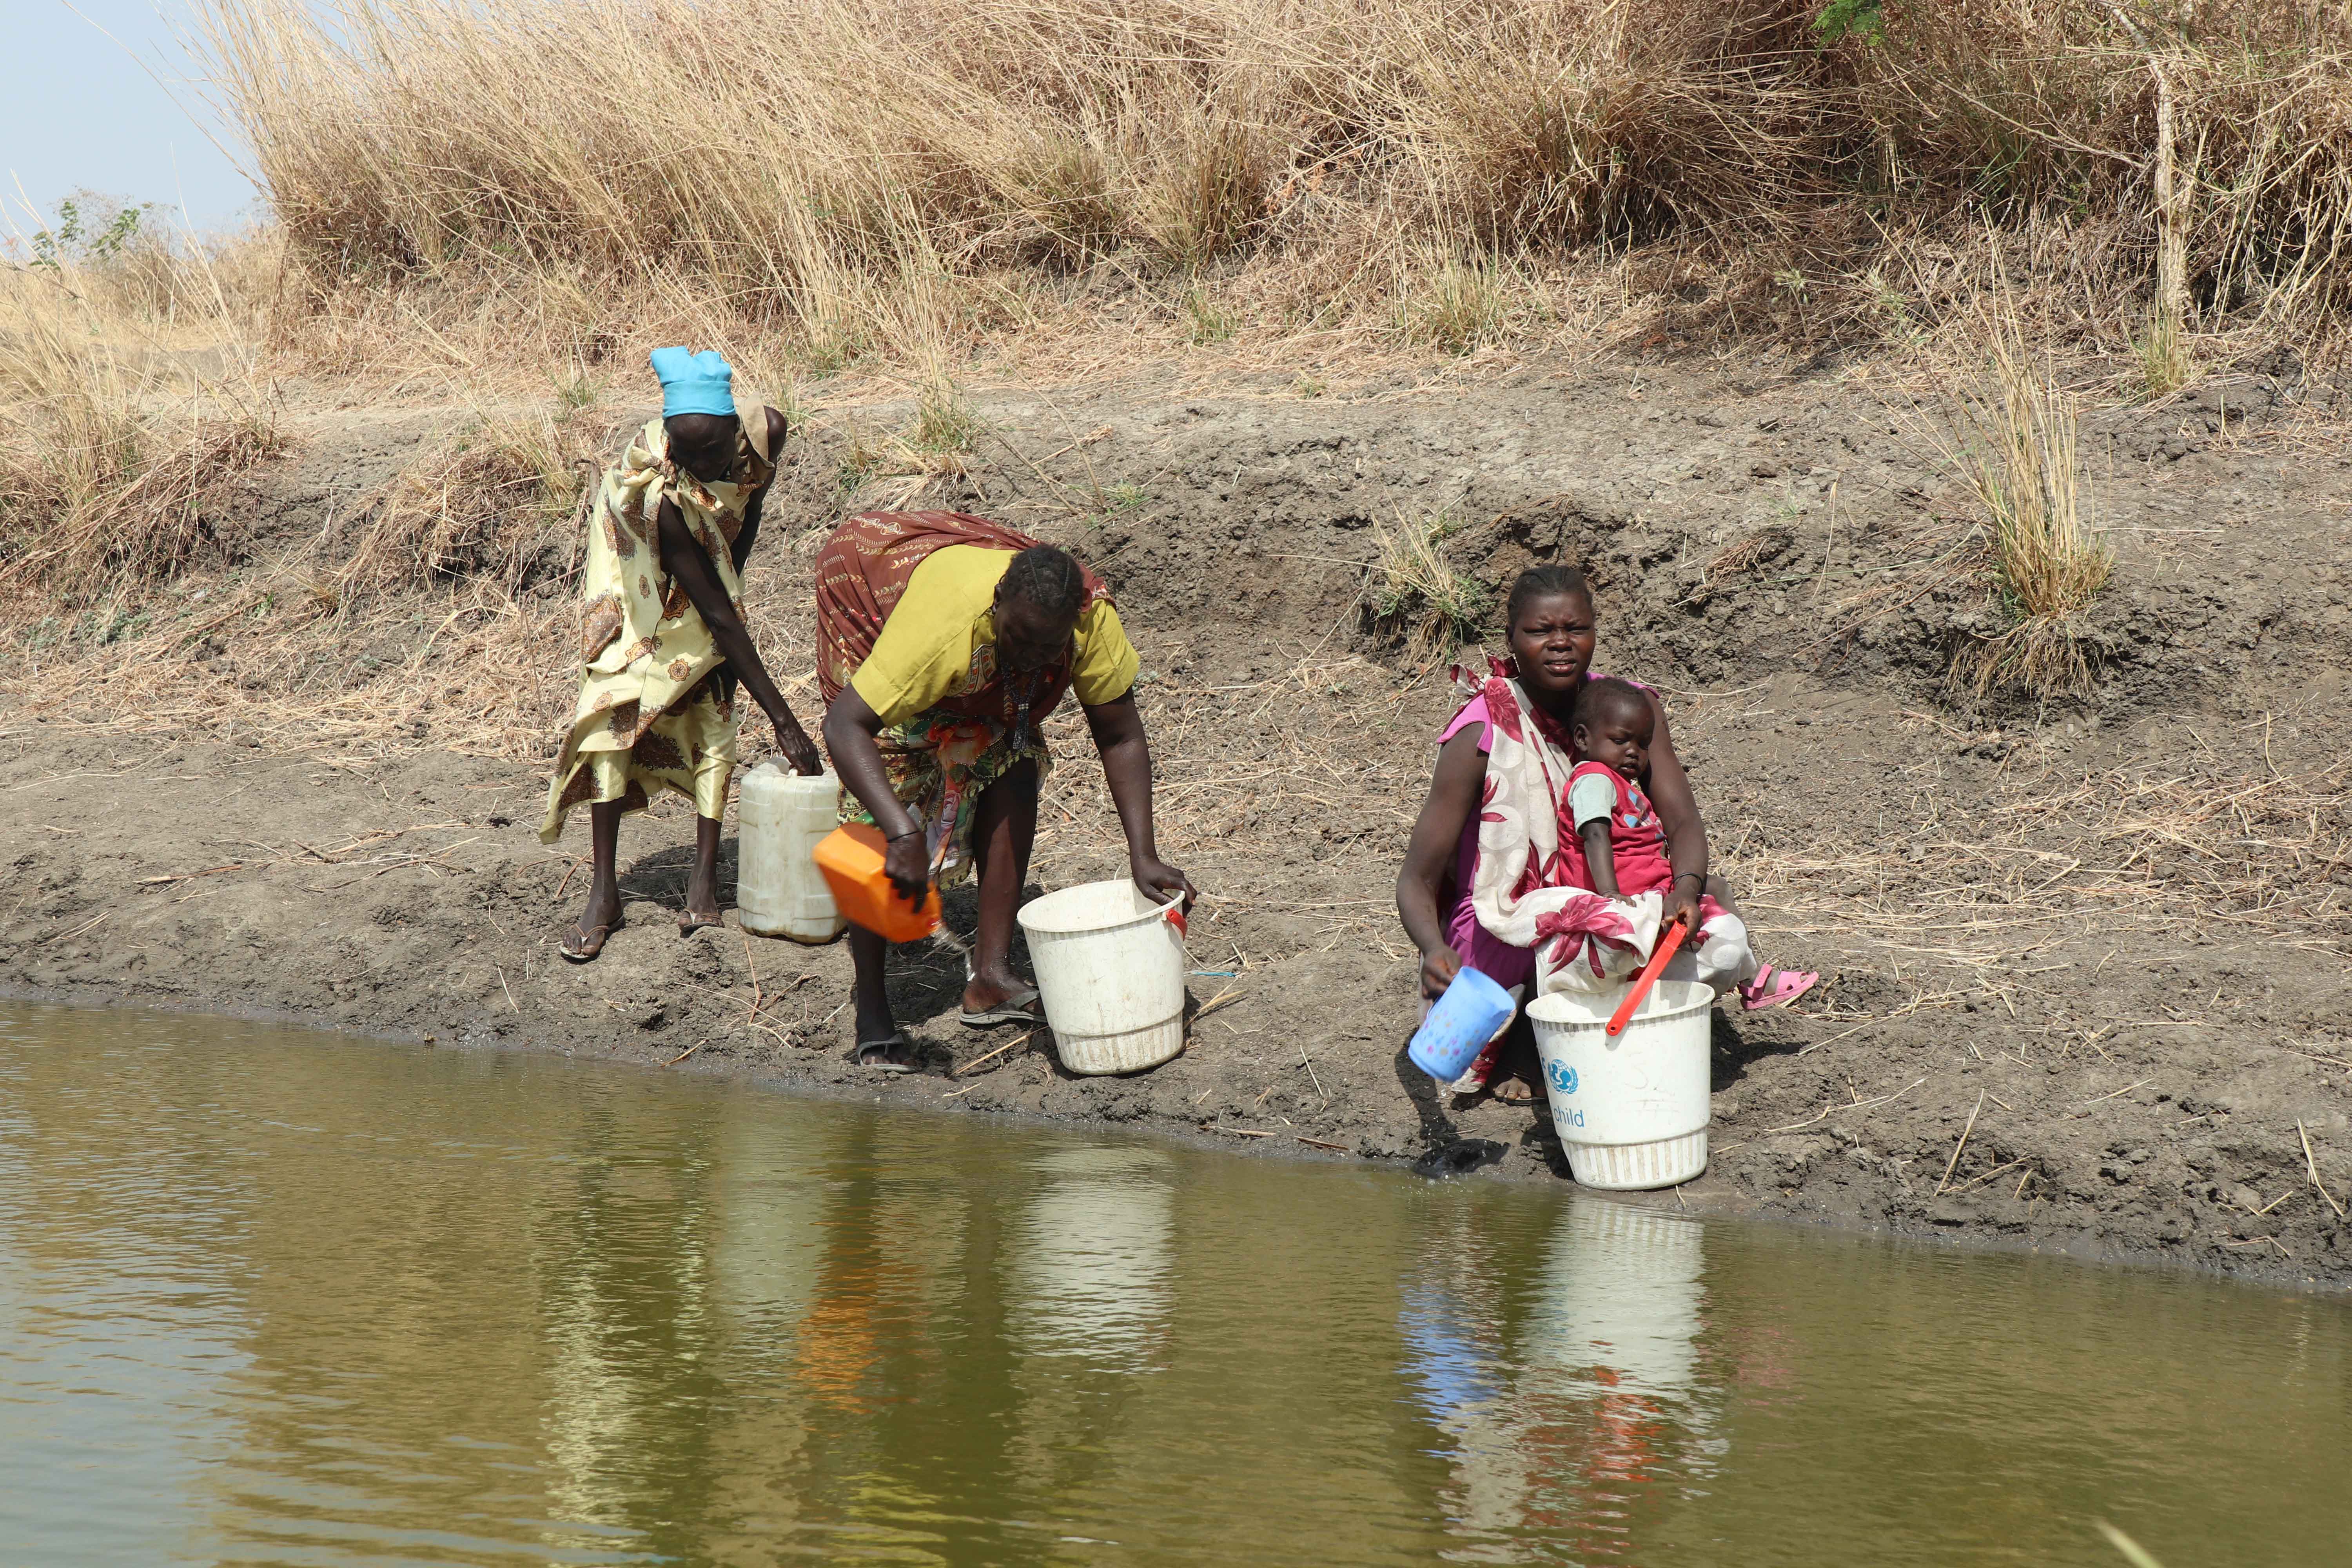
{"points": [[78, 113]]}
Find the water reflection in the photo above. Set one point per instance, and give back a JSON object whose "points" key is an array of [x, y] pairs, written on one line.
{"points": [[1090, 1270], [629, 1332], [120, 1371], [267, 1300], [1573, 1418]]}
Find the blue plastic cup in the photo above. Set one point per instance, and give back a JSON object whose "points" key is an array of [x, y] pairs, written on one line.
{"points": [[1472, 1011]]}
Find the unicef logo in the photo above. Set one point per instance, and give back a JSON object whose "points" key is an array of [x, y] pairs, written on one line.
{"points": [[1562, 1077]]}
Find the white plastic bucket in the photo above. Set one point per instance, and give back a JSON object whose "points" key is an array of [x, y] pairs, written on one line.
{"points": [[779, 891], [1633, 1111], [1110, 972]]}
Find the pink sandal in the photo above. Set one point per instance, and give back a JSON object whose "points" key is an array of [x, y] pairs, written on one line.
{"points": [[1774, 987]]}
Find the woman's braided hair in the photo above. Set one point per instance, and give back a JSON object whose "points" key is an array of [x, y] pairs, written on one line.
{"points": [[1543, 583], [1048, 577]]}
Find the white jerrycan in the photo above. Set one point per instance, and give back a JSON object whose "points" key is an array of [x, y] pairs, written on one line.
{"points": [[779, 891]]}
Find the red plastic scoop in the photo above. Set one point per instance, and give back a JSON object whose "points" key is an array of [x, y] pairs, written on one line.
{"points": [[1669, 940]]}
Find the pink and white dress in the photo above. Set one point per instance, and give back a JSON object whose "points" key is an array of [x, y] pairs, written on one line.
{"points": [[1512, 968], [1523, 911]]}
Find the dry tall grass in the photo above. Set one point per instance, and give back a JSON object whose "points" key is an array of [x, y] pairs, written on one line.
{"points": [[493, 507], [804, 150], [2017, 453], [913, 177], [900, 175], [2059, 104], [127, 410]]}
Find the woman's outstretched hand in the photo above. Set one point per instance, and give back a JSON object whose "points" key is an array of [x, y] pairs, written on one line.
{"points": [[798, 748], [1161, 880], [1438, 968]]}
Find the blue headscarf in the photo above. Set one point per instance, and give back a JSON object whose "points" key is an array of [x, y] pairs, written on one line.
{"points": [[694, 382]]}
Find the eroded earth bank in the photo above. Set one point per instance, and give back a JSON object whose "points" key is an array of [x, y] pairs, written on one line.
{"points": [[2085, 984]]}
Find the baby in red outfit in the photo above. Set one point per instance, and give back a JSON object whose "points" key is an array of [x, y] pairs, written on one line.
{"points": [[1622, 843], [1618, 845]]}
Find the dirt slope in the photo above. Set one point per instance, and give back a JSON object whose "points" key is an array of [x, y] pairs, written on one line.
{"points": [[2096, 948]]}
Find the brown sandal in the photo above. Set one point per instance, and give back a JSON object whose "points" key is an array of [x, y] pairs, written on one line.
{"points": [[893, 1054], [583, 942], [690, 922]]}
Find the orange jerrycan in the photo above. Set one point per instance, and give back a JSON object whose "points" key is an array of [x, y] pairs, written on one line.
{"points": [[851, 858]]}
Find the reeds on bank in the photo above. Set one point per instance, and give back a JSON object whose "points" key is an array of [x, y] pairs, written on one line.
{"points": [[2017, 452], [873, 174], [127, 412]]}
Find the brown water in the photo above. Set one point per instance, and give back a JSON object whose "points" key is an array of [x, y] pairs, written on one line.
{"points": [[274, 1298]]}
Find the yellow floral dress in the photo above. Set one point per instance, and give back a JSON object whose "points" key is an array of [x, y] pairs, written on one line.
{"points": [[651, 715]]}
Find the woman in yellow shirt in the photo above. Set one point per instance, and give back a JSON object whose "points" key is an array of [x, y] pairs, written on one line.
{"points": [[943, 641]]}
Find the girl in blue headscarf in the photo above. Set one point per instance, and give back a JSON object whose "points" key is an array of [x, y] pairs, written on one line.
{"points": [[663, 645]]}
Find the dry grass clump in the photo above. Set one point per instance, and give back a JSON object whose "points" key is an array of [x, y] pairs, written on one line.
{"points": [[945, 421], [2162, 350], [119, 451], [176, 507], [2016, 452], [1459, 306], [491, 506], [1414, 596], [1749, 550]]}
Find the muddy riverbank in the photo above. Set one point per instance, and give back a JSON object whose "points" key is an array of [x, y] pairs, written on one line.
{"points": [[2085, 984]]}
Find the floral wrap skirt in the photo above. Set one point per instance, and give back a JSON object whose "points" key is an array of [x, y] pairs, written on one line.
{"points": [[940, 764]]}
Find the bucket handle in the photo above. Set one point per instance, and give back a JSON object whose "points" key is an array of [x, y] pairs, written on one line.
{"points": [[1173, 909], [1668, 940]]}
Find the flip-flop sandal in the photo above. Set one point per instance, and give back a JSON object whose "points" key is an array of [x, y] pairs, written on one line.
{"points": [[1018, 1008], [1776, 987], [582, 944], [1524, 1096], [689, 922], [877, 1054]]}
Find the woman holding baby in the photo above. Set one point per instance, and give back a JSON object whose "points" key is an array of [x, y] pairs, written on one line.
{"points": [[1561, 835]]}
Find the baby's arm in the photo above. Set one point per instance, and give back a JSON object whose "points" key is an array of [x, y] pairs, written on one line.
{"points": [[1598, 858], [1591, 796]]}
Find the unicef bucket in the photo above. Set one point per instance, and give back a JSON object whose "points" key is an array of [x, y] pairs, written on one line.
{"points": [[1472, 1011], [1630, 1112]]}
